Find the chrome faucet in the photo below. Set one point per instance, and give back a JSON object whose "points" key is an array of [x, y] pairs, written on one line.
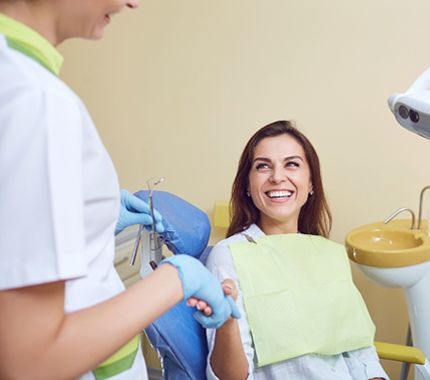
{"points": [[397, 212], [420, 209]]}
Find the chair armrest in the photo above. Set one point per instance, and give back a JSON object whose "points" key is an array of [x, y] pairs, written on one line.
{"points": [[400, 353]]}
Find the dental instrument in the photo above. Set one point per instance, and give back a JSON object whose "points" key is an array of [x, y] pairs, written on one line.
{"points": [[185, 227], [412, 108], [136, 245], [155, 239]]}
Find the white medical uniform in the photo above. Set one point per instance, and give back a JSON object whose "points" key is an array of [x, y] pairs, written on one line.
{"points": [[360, 364], [59, 193]]}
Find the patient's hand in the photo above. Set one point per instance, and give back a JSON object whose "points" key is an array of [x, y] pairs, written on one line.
{"points": [[229, 288]]}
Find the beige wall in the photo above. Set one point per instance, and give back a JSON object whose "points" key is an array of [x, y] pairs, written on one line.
{"points": [[177, 87]]}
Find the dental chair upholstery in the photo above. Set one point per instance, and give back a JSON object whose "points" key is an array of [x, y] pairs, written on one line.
{"points": [[186, 227], [180, 341], [178, 338], [181, 344]]}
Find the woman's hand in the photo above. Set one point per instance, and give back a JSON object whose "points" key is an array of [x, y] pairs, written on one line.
{"points": [[229, 288], [228, 359]]}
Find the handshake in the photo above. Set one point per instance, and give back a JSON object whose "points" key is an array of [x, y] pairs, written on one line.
{"points": [[201, 286]]}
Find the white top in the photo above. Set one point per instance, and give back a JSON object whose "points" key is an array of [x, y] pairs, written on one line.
{"points": [[59, 193], [360, 364]]}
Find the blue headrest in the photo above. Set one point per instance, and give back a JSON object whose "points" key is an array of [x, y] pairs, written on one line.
{"points": [[187, 228]]}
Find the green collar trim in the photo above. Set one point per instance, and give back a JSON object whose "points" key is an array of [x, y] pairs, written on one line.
{"points": [[26, 40]]}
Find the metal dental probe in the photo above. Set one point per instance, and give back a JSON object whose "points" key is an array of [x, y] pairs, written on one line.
{"points": [[141, 227]]}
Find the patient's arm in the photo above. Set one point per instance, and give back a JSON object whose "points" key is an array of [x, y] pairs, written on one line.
{"points": [[228, 344], [228, 360], [366, 359], [233, 339]]}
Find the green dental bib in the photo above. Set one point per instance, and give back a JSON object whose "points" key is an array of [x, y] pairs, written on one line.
{"points": [[299, 297]]}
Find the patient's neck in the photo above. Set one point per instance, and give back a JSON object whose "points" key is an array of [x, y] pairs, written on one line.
{"points": [[274, 227]]}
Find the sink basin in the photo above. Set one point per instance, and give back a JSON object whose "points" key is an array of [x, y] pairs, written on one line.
{"points": [[393, 255], [381, 240], [388, 245]]}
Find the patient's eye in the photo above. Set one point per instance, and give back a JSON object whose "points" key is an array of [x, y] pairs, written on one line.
{"points": [[290, 164], [261, 165]]}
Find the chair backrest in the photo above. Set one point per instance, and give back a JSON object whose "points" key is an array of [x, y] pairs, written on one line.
{"points": [[181, 344], [178, 338], [180, 341]]}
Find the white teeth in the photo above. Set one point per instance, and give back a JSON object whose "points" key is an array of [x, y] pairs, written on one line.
{"points": [[279, 194]]}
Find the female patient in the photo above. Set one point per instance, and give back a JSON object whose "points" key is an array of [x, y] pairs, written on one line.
{"points": [[278, 201]]}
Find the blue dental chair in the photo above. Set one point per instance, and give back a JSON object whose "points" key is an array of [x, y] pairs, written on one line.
{"points": [[178, 338], [181, 344]]}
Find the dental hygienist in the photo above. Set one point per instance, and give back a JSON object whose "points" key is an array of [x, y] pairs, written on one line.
{"points": [[64, 313]]}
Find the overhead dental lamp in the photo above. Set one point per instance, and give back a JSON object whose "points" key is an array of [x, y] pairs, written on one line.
{"points": [[412, 108]]}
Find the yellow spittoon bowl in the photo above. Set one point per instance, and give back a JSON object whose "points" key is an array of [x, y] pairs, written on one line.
{"points": [[389, 245]]}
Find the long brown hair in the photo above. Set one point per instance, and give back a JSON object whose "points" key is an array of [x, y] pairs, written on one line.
{"points": [[314, 218]]}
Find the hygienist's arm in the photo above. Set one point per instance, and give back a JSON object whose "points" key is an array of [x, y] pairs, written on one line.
{"points": [[39, 341]]}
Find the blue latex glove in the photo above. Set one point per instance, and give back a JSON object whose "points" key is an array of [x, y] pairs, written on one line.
{"points": [[212, 321], [198, 282], [135, 211]]}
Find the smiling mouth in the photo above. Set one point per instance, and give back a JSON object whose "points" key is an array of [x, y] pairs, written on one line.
{"points": [[278, 194]]}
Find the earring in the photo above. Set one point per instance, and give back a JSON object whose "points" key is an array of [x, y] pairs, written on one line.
{"points": [[311, 192], [248, 193]]}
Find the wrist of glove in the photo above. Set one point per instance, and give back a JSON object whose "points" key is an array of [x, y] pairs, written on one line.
{"points": [[198, 282], [136, 211]]}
